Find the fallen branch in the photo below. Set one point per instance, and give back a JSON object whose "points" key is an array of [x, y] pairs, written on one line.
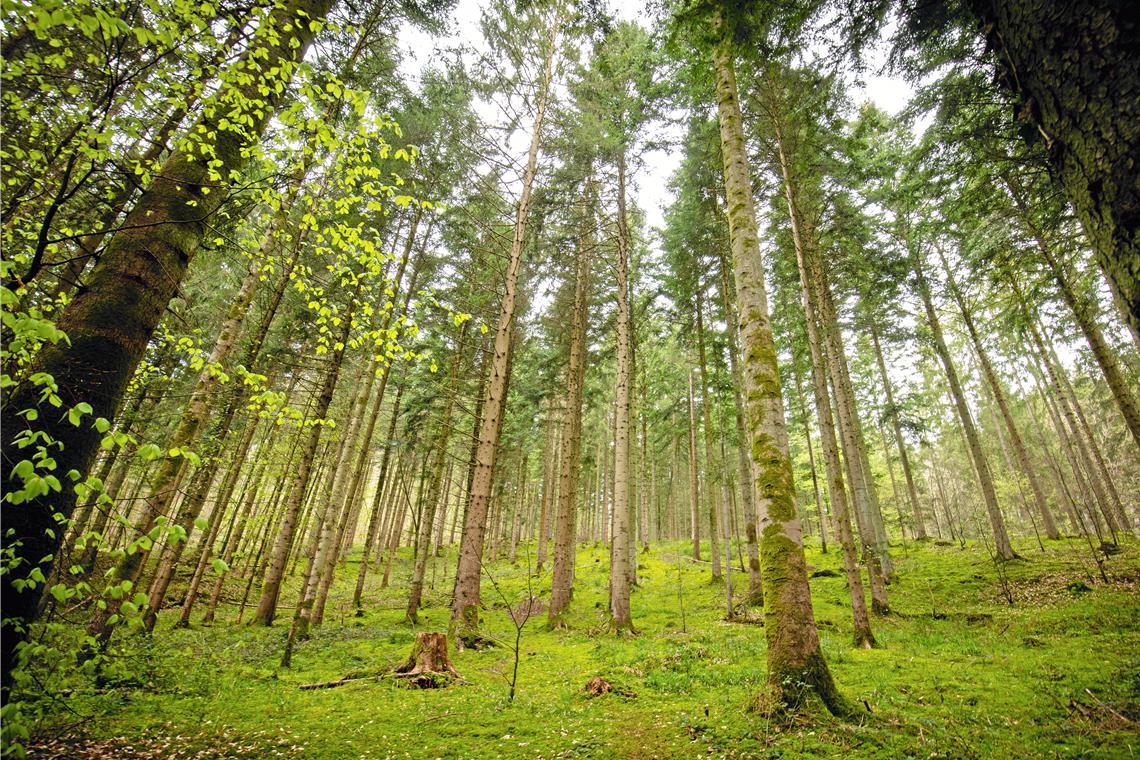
{"points": [[337, 682], [1101, 702]]}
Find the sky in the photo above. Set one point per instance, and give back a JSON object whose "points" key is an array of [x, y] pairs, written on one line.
{"points": [[650, 186]]}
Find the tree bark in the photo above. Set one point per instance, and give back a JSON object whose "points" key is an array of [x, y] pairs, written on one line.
{"points": [[620, 615], [755, 595], [796, 668], [1074, 72], [465, 605], [110, 322], [570, 464], [1002, 546]]}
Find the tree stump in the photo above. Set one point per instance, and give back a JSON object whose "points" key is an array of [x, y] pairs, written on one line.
{"points": [[428, 666]]}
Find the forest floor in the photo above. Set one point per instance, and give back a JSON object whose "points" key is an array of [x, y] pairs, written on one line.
{"points": [[960, 673]]}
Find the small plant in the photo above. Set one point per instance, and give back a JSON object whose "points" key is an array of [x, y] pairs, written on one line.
{"points": [[520, 615]]}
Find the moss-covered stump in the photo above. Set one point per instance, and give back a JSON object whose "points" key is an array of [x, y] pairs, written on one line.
{"points": [[428, 666]]}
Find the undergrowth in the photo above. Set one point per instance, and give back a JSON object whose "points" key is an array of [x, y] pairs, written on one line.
{"points": [[959, 672]]}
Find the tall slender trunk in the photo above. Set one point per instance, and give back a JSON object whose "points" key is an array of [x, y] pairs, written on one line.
{"points": [[694, 483], [1068, 409], [465, 605], [827, 358], [796, 668], [1083, 310], [811, 459], [215, 524], [755, 596], [620, 615], [711, 473], [1021, 454], [271, 587], [974, 445], [570, 463], [904, 457], [427, 514], [548, 459], [835, 485], [376, 519]]}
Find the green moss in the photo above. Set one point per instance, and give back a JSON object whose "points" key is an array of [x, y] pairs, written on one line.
{"points": [[998, 687]]}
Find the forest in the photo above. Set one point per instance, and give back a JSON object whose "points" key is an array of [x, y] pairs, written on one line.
{"points": [[570, 378]]}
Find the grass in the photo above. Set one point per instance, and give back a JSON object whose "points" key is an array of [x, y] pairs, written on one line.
{"points": [[959, 673]]}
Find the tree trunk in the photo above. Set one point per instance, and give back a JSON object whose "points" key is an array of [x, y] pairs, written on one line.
{"points": [[620, 616], [904, 457], [755, 596], [427, 515], [981, 466], [465, 606], [271, 587], [811, 460], [548, 460], [111, 321], [215, 523], [570, 464], [1074, 70], [1021, 454], [376, 519], [711, 473], [796, 668], [835, 486], [694, 483], [828, 355]]}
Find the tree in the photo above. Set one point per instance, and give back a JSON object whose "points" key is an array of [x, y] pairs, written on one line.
{"points": [[796, 668], [110, 321], [465, 604]]}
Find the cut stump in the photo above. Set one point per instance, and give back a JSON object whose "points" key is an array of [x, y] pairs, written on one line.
{"points": [[598, 686], [428, 666]]}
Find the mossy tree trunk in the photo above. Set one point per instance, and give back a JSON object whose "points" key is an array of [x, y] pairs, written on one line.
{"points": [[796, 668], [755, 595], [1074, 70]]}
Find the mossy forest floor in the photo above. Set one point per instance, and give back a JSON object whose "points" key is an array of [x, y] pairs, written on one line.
{"points": [[959, 673]]}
